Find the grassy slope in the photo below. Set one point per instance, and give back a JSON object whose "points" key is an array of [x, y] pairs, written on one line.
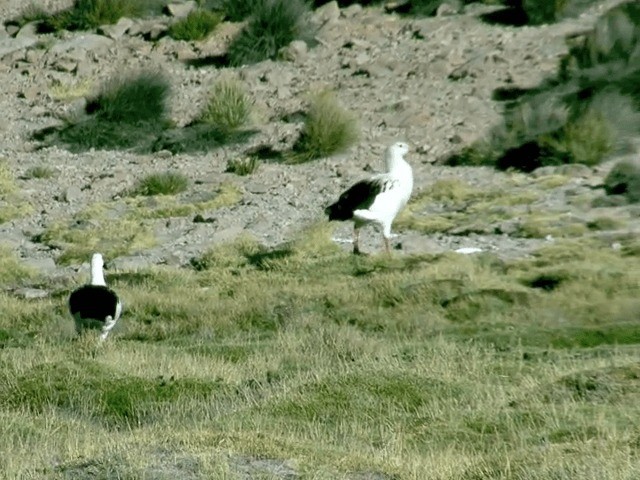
{"points": [[444, 367]]}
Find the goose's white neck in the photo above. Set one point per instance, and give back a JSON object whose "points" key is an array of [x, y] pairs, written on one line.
{"points": [[97, 275], [397, 165]]}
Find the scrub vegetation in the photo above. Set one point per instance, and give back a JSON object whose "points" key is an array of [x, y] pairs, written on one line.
{"points": [[306, 359]]}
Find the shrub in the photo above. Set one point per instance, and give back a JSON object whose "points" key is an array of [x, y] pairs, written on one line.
{"points": [[328, 129], [273, 24], [166, 183], [87, 14], [624, 179], [236, 11], [228, 107], [586, 140], [195, 26], [243, 166], [132, 98], [40, 171], [544, 12]]}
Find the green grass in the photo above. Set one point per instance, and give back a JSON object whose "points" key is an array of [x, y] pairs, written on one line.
{"points": [[306, 359], [197, 25], [164, 183], [98, 228], [272, 25], [127, 226], [451, 205], [12, 271], [235, 11], [12, 203], [89, 14], [328, 129]]}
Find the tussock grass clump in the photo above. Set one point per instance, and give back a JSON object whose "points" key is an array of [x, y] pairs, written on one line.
{"points": [[328, 129], [228, 107], [624, 179], [273, 24], [128, 112], [197, 25], [243, 166], [132, 98], [39, 171], [70, 91], [235, 11], [165, 183]]}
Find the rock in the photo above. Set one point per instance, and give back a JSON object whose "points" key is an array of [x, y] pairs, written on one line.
{"points": [[156, 31], [86, 42], [296, 52], [450, 7], [257, 187], [65, 64], [10, 45], [352, 10], [31, 93], [131, 262], [30, 293], [180, 9], [117, 30], [29, 31], [574, 170], [327, 13], [72, 194], [12, 30], [43, 265]]}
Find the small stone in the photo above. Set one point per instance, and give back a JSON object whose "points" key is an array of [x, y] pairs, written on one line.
{"points": [[30, 93], [352, 10], [72, 194], [448, 8], [29, 30], [180, 9], [117, 30], [157, 31], [65, 65], [257, 187], [296, 52], [45, 265], [327, 13]]}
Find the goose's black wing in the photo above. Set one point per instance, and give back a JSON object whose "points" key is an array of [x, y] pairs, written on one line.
{"points": [[359, 197], [95, 302]]}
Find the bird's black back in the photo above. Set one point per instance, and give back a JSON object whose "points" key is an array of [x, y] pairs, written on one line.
{"points": [[359, 196], [93, 302]]}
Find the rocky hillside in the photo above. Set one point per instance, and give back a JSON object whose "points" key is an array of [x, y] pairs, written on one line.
{"points": [[429, 81]]}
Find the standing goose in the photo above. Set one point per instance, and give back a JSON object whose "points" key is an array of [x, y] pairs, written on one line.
{"points": [[95, 305], [378, 199]]}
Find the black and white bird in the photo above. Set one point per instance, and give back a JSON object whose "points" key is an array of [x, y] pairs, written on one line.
{"points": [[95, 306], [379, 199]]}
